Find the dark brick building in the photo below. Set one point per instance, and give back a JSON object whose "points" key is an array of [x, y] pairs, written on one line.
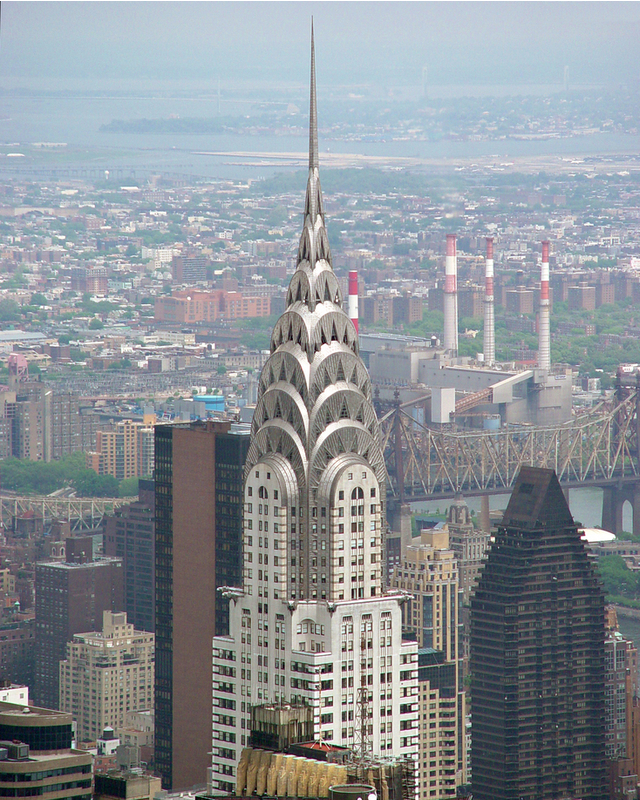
{"points": [[70, 599], [130, 535], [199, 472]]}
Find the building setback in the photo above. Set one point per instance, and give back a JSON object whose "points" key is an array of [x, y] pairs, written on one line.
{"points": [[40, 760], [429, 571], [537, 655], [106, 675], [70, 599], [312, 625], [130, 535], [198, 496]]}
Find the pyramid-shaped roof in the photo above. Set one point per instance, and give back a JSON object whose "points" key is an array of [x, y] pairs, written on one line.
{"points": [[537, 501]]}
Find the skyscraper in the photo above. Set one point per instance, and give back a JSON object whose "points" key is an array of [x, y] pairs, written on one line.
{"points": [[537, 655], [312, 624], [429, 571], [198, 485], [107, 674], [130, 535], [70, 598]]}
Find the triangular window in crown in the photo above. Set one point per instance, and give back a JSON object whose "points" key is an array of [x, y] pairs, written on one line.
{"points": [[327, 293], [327, 379], [340, 372], [283, 373], [360, 416], [299, 292], [334, 333], [327, 418], [344, 411]]}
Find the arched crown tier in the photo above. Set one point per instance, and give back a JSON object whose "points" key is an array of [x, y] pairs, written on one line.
{"points": [[314, 396]]}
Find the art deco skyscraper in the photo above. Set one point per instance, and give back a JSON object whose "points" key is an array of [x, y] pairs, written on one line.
{"points": [[537, 655], [312, 624]]}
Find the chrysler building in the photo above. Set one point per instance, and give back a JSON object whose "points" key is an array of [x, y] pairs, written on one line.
{"points": [[313, 624]]}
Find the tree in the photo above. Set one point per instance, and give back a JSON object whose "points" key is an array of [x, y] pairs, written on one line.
{"points": [[9, 310], [90, 484], [617, 577], [128, 487], [96, 324], [38, 299]]}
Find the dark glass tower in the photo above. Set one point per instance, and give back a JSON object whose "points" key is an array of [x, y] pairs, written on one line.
{"points": [[537, 655]]}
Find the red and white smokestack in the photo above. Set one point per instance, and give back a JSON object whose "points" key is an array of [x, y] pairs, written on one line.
{"points": [[353, 298], [451, 297], [544, 341], [489, 318]]}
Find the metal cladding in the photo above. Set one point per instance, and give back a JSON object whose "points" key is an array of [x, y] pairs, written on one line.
{"points": [[353, 298], [489, 317], [314, 405], [544, 346], [451, 297]]}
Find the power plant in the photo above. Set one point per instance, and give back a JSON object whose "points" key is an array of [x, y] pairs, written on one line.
{"points": [[451, 298], [489, 319], [544, 342], [446, 387]]}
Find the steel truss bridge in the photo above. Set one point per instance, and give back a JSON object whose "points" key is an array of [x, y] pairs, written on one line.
{"points": [[83, 513], [600, 447]]}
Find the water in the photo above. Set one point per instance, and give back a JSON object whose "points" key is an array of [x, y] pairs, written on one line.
{"points": [[76, 120], [585, 505], [630, 627]]}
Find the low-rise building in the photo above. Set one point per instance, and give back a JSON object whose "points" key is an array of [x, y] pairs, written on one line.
{"points": [[37, 755]]}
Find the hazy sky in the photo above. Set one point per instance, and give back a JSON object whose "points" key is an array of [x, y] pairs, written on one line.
{"points": [[389, 42]]}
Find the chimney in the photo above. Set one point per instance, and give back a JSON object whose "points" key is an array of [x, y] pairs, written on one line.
{"points": [[489, 318], [451, 297], [544, 347], [353, 298]]}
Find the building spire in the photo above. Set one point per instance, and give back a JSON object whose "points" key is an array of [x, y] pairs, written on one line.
{"points": [[313, 110]]}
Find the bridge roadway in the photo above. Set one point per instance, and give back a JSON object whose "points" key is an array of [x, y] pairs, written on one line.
{"points": [[599, 448], [84, 513]]}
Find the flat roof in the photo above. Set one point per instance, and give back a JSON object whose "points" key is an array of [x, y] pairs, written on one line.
{"points": [[21, 336]]}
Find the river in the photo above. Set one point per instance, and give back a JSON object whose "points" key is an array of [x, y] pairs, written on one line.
{"points": [[76, 120]]}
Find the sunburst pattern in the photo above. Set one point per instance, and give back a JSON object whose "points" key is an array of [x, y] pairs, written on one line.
{"points": [[314, 396]]}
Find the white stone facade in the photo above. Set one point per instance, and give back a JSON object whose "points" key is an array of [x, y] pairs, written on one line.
{"points": [[312, 623]]}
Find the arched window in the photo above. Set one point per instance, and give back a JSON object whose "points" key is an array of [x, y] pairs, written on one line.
{"points": [[262, 492], [357, 494]]}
